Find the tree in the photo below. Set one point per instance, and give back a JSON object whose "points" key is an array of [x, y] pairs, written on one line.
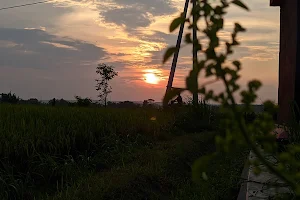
{"points": [[34, 101], [106, 73], [148, 102], [59, 102], [9, 98], [83, 102]]}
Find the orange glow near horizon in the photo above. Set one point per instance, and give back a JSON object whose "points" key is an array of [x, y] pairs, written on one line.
{"points": [[151, 78]]}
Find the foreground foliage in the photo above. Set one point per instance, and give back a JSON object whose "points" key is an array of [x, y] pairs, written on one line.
{"points": [[212, 60]]}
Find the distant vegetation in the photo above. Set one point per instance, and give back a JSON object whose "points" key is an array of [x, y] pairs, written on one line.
{"points": [[9, 98], [124, 104], [83, 102]]}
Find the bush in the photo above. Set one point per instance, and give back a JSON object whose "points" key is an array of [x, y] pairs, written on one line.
{"points": [[196, 119], [249, 117]]}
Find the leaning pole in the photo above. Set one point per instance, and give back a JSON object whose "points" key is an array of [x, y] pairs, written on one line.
{"points": [[176, 54], [175, 58], [195, 94]]}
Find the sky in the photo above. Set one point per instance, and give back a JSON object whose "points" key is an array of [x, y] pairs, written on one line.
{"points": [[52, 49]]}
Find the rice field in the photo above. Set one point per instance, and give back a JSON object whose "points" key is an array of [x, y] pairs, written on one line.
{"points": [[30, 130], [46, 152]]}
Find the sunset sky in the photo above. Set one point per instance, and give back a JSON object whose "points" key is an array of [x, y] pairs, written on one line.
{"points": [[52, 49]]}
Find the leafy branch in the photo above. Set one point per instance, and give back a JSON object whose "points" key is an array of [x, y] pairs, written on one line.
{"points": [[215, 64]]}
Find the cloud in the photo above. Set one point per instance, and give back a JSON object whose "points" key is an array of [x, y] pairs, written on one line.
{"points": [[155, 7], [135, 14], [33, 48], [7, 44], [37, 64], [129, 17], [58, 45], [157, 36]]}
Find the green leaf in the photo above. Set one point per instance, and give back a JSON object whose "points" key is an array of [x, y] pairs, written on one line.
{"points": [[228, 48], [202, 90], [204, 176], [200, 66], [207, 9], [200, 167], [235, 43], [239, 28], [191, 84], [210, 53], [218, 10], [224, 4], [170, 94], [209, 70], [170, 51], [176, 23], [254, 85], [221, 58], [192, 80], [197, 45], [240, 4], [188, 38], [209, 95], [220, 23], [237, 64]]}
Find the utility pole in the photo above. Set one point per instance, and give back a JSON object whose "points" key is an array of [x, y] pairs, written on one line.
{"points": [[175, 58], [176, 54]]}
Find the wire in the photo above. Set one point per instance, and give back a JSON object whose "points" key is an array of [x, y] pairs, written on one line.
{"points": [[23, 5]]}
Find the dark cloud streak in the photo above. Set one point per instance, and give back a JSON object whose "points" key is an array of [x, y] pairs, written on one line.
{"points": [[135, 14], [38, 49]]}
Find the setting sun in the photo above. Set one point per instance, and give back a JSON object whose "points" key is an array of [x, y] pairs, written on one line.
{"points": [[151, 78]]}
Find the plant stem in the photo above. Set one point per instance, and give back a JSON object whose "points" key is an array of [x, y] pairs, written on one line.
{"points": [[249, 141]]}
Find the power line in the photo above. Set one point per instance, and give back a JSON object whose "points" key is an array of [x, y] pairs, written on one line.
{"points": [[23, 5]]}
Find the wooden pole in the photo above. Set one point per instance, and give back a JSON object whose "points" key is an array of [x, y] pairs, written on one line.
{"points": [[195, 60], [289, 59], [175, 58]]}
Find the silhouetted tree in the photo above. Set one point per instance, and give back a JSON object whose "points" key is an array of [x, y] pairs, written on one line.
{"points": [[83, 102], [148, 102], [62, 102], [106, 73], [34, 101], [53, 102], [58, 102], [9, 98]]}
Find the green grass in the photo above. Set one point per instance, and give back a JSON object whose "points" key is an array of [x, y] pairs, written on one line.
{"points": [[164, 172], [92, 153]]}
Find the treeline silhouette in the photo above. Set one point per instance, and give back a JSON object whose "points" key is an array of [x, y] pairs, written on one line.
{"points": [[12, 98]]}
